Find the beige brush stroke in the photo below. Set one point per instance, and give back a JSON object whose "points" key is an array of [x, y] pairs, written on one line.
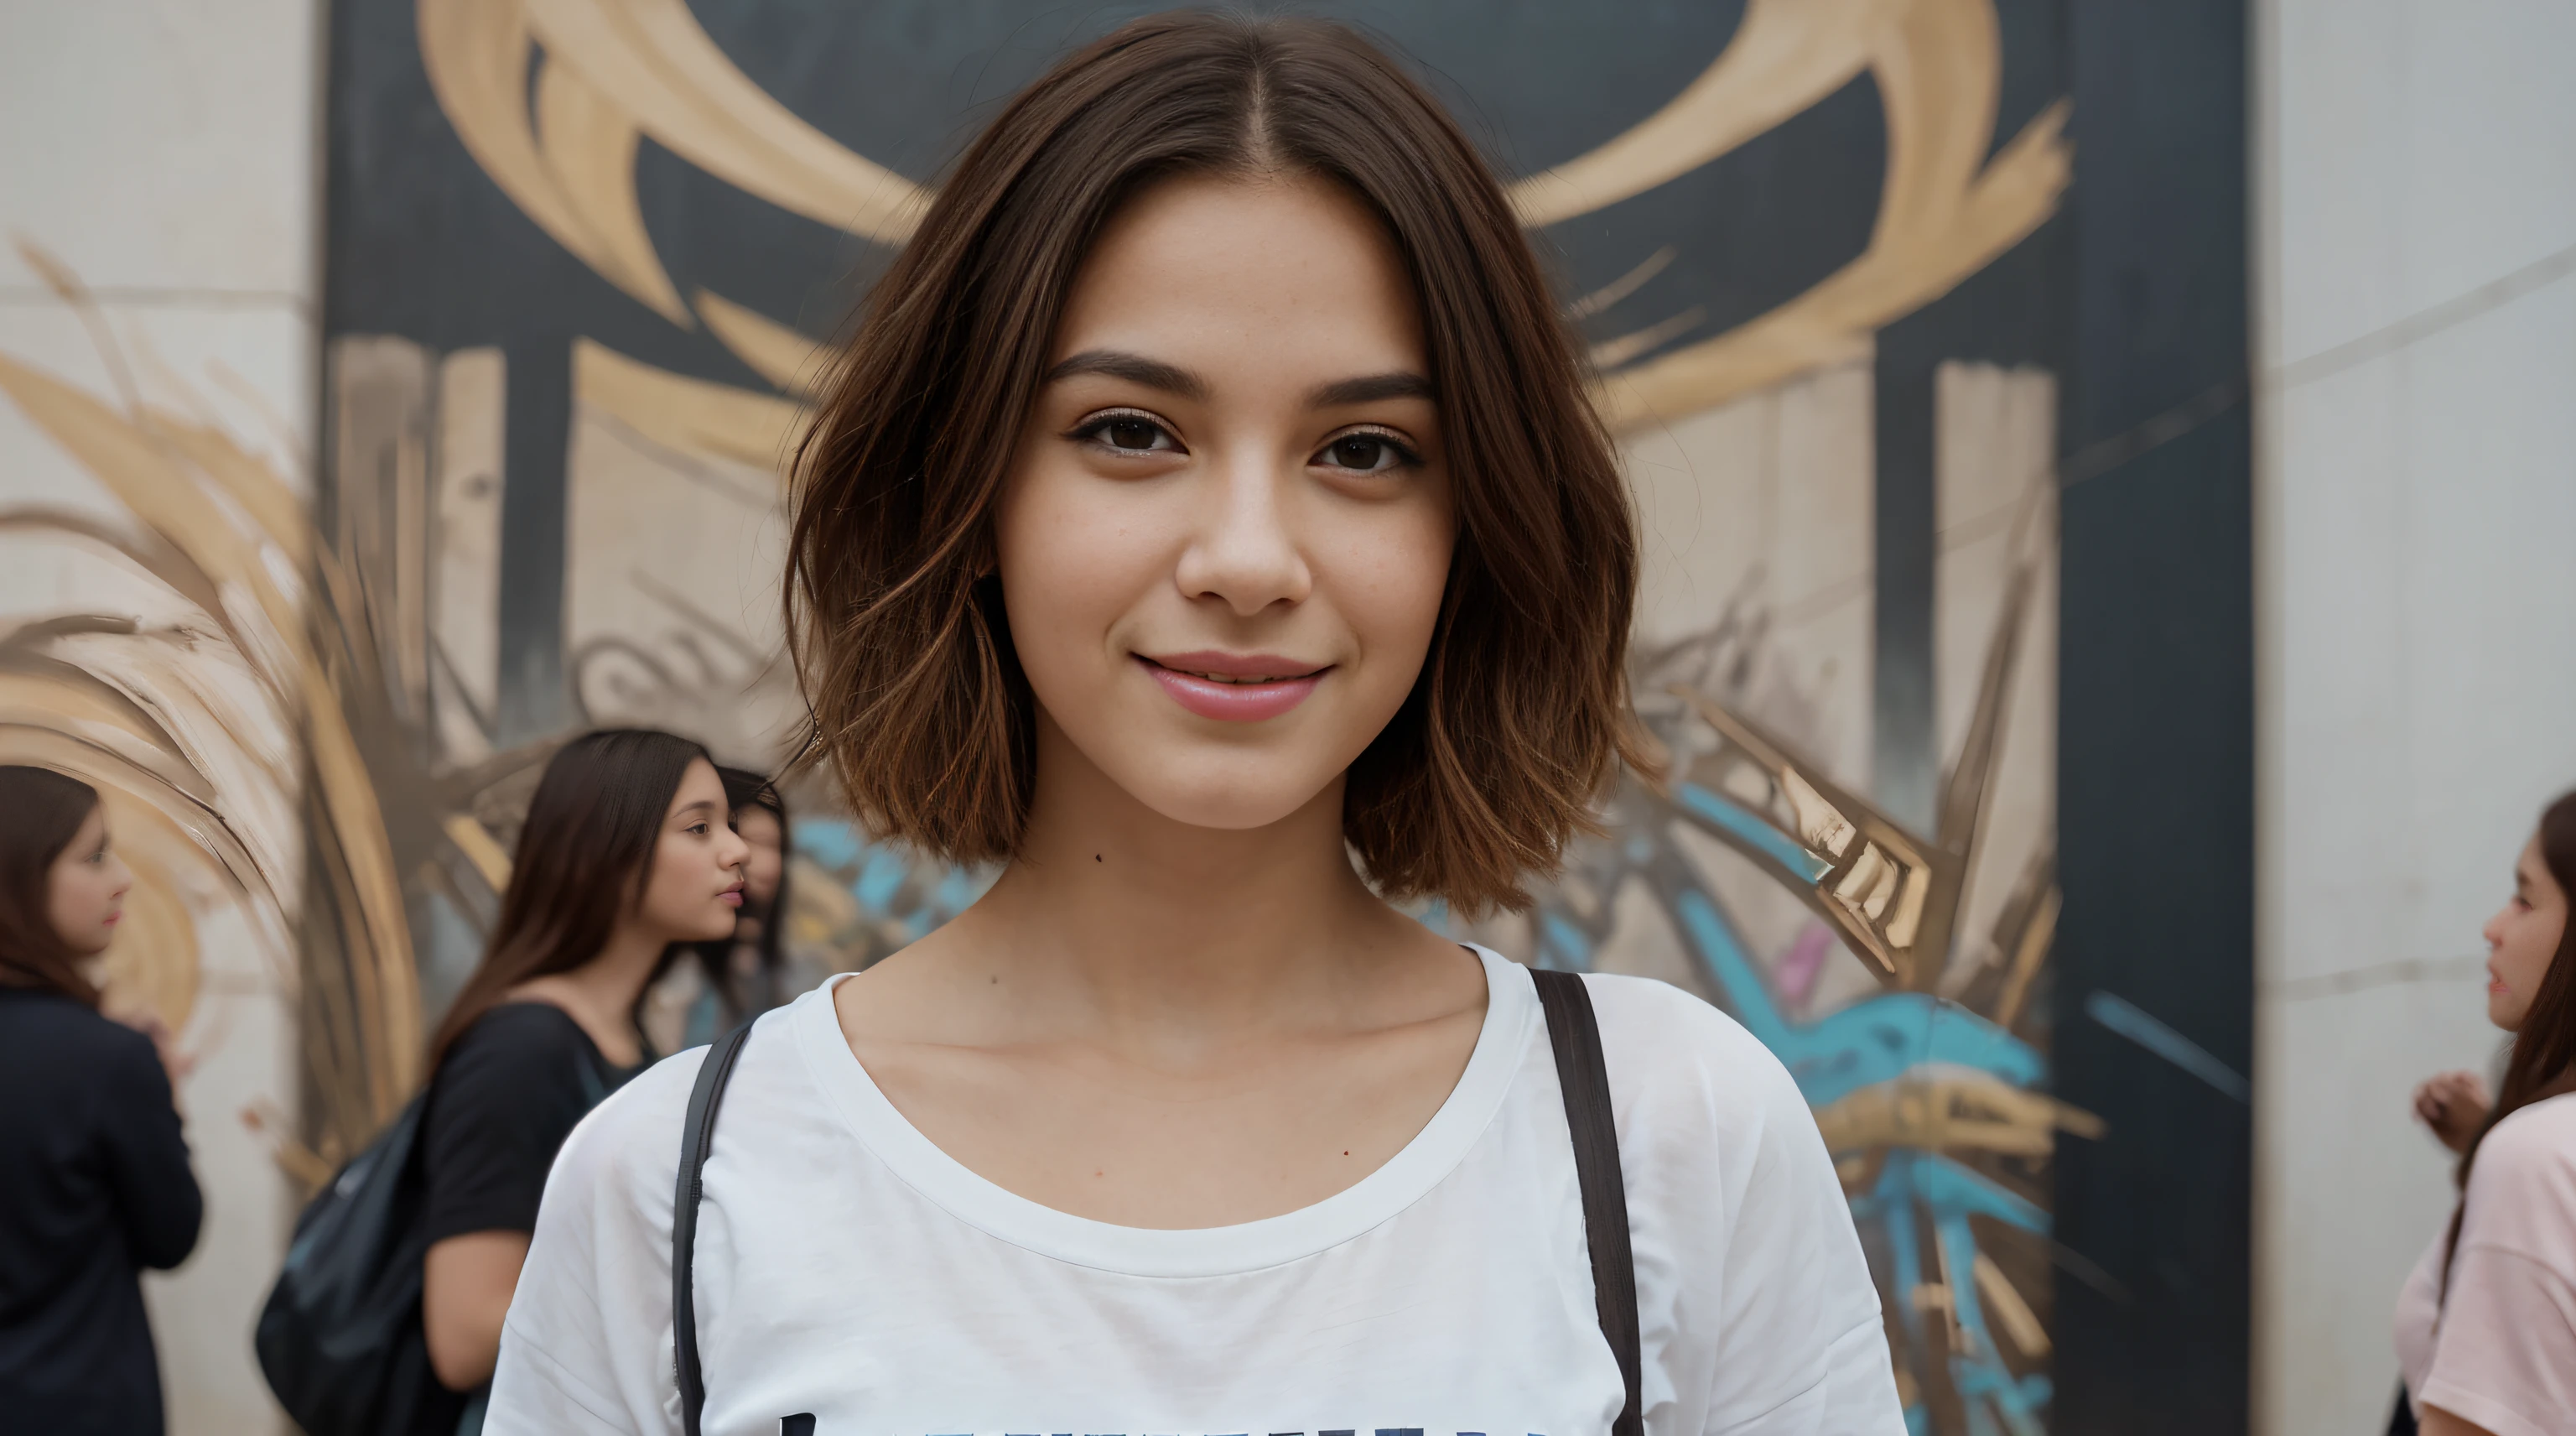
{"points": [[2012, 1312], [153, 964], [1836, 320], [785, 357], [589, 145], [478, 54], [689, 416], [480, 848], [144, 461], [34, 729], [651, 58], [1785, 56]]}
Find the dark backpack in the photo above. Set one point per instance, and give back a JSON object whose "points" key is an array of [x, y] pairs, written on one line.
{"points": [[339, 1338]]}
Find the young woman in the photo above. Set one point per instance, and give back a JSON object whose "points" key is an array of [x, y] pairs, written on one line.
{"points": [[744, 973], [94, 1179], [2486, 1327], [1208, 499], [626, 850]]}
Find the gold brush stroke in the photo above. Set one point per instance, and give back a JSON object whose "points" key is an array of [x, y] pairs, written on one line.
{"points": [[652, 59], [2018, 1320], [178, 479], [691, 416], [1785, 56], [1958, 1109], [480, 848], [1941, 219], [783, 356], [590, 145], [478, 54], [618, 67]]}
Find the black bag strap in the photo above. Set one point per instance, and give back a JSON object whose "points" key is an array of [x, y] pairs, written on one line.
{"points": [[1576, 1037], [1571, 1031], [697, 1138]]}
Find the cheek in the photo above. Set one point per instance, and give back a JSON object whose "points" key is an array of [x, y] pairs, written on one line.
{"points": [[2533, 943], [1388, 583], [1075, 554], [677, 874]]}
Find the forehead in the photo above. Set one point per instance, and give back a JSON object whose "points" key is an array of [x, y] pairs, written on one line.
{"points": [[1284, 269]]}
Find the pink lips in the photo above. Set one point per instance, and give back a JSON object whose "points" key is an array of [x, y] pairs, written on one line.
{"points": [[1236, 702]]}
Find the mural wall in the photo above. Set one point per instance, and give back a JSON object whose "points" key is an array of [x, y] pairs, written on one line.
{"points": [[581, 255]]}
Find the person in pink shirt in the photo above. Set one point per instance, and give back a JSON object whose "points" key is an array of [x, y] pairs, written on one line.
{"points": [[2486, 1326]]}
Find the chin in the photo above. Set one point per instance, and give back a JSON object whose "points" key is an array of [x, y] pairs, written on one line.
{"points": [[1229, 802]]}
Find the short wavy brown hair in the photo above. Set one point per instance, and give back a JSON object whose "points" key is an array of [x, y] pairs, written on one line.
{"points": [[895, 618]]}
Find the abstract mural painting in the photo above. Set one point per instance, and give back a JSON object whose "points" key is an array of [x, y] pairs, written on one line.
{"points": [[584, 258]]}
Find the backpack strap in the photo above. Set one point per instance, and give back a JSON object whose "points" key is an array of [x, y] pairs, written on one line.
{"points": [[697, 1138], [1580, 1071]]}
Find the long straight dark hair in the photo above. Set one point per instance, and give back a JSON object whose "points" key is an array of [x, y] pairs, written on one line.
{"points": [[45, 811], [2543, 1063], [581, 865]]}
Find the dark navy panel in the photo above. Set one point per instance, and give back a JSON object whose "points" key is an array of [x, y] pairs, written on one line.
{"points": [[2156, 733]]}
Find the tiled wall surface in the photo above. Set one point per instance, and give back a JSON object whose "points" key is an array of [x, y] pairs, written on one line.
{"points": [[164, 153], [2416, 346]]}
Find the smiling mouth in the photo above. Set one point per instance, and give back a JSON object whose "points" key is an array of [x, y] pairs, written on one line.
{"points": [[1238, 678], [1232, 688]]}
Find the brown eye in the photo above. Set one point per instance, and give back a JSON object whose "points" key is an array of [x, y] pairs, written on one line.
{"points": [[1131, 434], [1365, 453]]}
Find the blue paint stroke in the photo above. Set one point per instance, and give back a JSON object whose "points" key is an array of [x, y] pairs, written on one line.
{"points": [[1869, 1042], [2126, 1018], [1726, 813]]}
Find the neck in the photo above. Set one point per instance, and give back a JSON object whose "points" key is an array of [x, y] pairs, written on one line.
{"points": [[601, 993], [1115, 910]]}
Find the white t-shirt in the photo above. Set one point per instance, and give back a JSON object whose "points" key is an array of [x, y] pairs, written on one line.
{"points": [[848, 1268], [2501, 1351]]}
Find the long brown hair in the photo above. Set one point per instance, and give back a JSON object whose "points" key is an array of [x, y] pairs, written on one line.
{"points": [[895, 620], [583, 857], [45, 811], [2543, 1063]]}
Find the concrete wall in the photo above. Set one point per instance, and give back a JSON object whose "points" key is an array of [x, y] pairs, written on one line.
{"points": [[2416, 571], [165, 154]]}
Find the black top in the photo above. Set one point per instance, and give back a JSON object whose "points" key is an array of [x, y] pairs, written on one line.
{"points": [[94, 1186], [510, 1089]]}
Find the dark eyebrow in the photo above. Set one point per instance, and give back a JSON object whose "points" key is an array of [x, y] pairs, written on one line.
{"points": [[702, 805], [1135, 369], [1369, 388]]}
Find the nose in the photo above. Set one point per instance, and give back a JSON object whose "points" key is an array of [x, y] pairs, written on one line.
{"points": [[731, 850], [2493, 932], [1245, 553]]}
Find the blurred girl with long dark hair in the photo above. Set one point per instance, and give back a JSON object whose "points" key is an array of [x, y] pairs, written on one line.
{"points": [[627, 849], [94, 1179], [2486, 1328], [743, 974]]}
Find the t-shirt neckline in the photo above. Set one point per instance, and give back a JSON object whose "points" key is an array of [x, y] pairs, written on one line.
{"points": [[1435, 1151]]}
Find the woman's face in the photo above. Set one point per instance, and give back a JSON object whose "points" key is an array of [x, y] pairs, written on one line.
{"points": [[693, 890], [758, 827], [85, 890], [2522, 938], [1228, 522]]}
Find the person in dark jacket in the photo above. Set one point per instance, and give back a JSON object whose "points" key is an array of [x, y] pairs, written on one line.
{"points": [[94, 1179]]}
